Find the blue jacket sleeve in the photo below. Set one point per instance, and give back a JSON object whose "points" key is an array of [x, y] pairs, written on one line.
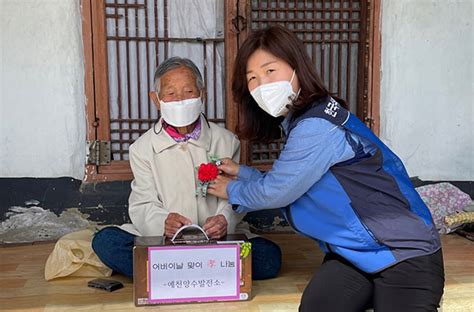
{"points": [[248, 173], [313, 146]]}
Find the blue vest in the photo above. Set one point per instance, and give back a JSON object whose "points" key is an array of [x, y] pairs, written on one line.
{"points": [[364, 209]]}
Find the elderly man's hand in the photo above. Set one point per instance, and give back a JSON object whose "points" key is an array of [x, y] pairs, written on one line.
{"points": [[215, 226], [218, 187], [173, 222]]}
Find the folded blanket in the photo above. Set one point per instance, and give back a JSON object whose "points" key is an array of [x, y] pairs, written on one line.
{"points": [[453, 221], [443, 199]]}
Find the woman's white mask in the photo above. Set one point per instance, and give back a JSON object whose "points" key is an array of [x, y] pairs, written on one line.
{"points": [[275, 96], [181, 113]]}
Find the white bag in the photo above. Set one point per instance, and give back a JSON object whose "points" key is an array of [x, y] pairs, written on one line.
{"points": [[73, 256]]}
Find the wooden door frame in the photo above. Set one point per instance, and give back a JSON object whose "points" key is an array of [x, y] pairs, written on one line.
{"points": [[375, 67], [87, 40], [96, 90], [236, 29]]}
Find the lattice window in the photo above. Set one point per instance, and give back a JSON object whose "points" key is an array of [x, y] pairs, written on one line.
{"points": [[140, 35], [124, 40], [263, 153]]}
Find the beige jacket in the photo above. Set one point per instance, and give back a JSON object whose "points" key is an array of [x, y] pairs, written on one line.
{"points": [[165, 179]]}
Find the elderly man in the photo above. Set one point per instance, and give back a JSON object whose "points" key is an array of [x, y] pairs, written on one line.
{"points": [[163, 161]]}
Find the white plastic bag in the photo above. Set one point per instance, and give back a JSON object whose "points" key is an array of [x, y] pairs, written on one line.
{"points": [[73, 256]]}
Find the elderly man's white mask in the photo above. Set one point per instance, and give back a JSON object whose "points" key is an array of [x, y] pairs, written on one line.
{"points": [[181, 113]]}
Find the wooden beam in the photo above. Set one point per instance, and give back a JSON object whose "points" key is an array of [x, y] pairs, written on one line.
{"points": [[230, 48], [375, 44], [86, 12], [101, 82]]}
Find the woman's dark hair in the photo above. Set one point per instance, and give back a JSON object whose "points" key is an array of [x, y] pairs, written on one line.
{"points": [[254, 123]]}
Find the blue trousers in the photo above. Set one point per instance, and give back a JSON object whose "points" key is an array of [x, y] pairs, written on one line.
{"points": [[114, 247]]}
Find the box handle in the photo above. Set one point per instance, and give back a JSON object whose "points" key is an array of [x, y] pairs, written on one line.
{"points": [[186, 227]]}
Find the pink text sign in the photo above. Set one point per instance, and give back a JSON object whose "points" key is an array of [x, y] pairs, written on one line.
{"points": [[193, 273]]}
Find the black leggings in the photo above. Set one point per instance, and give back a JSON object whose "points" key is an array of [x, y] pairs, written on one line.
{"points": [[415, 284]]}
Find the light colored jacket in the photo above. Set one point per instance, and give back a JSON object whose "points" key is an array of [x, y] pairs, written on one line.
{"points": [[165, 179]]}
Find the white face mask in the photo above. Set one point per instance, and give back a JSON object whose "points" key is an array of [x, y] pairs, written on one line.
{"points": [[275, 96], [181, 113]]}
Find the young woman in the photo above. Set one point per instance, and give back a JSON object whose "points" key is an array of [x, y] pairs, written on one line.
{"points": [[338, 182]]}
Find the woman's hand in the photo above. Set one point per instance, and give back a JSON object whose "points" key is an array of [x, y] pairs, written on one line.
{"points": [[218, 187], [229, 167]]}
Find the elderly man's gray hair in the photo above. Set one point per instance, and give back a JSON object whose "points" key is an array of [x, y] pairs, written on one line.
{"points": [[173, 63]]}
